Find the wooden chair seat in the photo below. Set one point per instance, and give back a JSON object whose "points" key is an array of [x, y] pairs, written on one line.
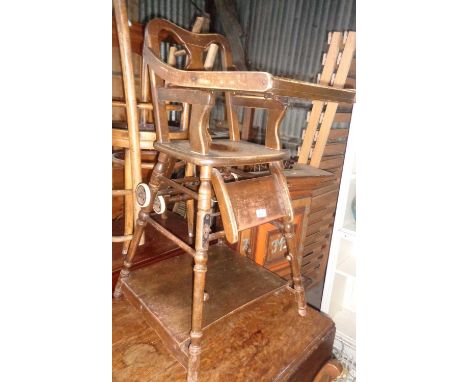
{"points": [[223, 152]]}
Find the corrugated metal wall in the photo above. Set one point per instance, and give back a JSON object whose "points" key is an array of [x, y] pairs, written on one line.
{"points": [[180, 12], [287, 38], [284, 37]]}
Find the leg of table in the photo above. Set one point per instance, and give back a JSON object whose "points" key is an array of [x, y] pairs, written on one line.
{"points": [[329, 372], [128, 212], [190, 171], [199, 270], [160, 168], [296, 269]]}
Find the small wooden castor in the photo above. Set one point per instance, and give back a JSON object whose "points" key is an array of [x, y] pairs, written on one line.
{"points": [[143, 195]]}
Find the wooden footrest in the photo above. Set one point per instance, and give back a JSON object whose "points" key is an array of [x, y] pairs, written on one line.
{"points": [[163, 292]]}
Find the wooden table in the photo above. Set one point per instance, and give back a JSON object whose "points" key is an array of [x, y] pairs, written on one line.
{"points": [[262, 341]]}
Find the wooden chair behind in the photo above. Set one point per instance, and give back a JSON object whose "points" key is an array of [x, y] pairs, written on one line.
{"points": [[121, 133], [132, 156]]}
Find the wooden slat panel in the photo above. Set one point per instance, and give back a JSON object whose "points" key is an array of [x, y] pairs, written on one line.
{"points": [[314, 248], [321, 206], [321, 218], [313, 261], [324, 185], [336, 171], [317, 227], [317, 237], [339, 133], [323, 190], [328, 164], [352, 69], [334, 149], [344, 107], [327, 204], [332, 107], [324, 198], [320, 273], [327, 213], [318, 215], [350, 83], [317, 106], [312, 269]]}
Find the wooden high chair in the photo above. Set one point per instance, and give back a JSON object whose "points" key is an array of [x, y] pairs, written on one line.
{"points": [[242, 204]]}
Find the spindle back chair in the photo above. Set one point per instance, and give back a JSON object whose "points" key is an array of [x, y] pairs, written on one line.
{"points": [[147, 134], [132, 152]]}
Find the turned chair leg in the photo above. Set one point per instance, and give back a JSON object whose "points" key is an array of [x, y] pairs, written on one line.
{"points": [[190, 171], [295, 265], [128, 209], [199, 270], [158, 170]]}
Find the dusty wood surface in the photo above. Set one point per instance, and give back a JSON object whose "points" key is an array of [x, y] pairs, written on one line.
{"points": [[164, 291], [262, 342]]}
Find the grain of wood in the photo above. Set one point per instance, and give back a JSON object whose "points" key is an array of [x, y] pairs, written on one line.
{"points": [[130, 96], [262, 342]]}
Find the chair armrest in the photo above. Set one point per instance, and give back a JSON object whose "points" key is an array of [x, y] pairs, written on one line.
{"points": [[257, 102], [184, 95], [248, 82]]}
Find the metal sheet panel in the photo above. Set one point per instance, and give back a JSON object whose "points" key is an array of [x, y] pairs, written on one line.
{"points": [[287, 38], [180, 12]]}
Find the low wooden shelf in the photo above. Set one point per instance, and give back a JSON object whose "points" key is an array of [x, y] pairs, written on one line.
{"points": [[163, 291]]}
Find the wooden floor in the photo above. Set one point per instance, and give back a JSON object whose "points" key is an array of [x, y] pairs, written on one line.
{"points": [[260, 345]]}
